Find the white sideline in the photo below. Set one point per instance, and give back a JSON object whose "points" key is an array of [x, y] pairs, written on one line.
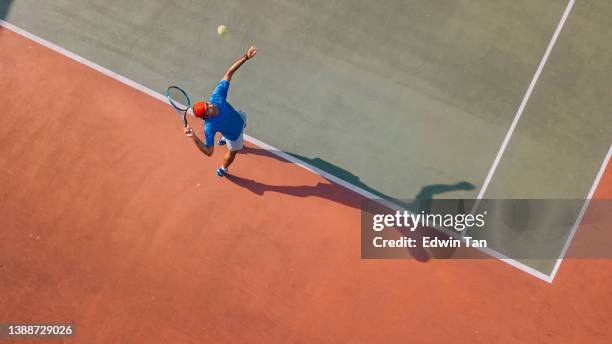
{"points": [[604, 164], [521, 108]]}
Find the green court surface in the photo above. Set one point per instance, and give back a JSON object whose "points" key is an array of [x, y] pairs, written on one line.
{"points": [[393, 97]]}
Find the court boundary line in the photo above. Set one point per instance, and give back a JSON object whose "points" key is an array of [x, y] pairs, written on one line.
{"points": [[519, 111], [585, 206], [113, 75]]}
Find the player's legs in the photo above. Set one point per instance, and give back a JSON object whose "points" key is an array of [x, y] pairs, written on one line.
{"points": [[233, 146], [232, 149], [228, 159]]}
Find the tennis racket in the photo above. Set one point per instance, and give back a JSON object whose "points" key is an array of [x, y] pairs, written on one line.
{"points": [[180, 102]]}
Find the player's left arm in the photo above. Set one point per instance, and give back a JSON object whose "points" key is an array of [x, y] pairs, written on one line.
{"points": [[234, 67], [208, 150]]}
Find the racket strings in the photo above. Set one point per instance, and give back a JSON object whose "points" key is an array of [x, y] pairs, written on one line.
{"points": [[178, 98]]}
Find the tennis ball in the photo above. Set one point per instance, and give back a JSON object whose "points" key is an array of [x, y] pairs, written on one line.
{"points": [[222, 29]]}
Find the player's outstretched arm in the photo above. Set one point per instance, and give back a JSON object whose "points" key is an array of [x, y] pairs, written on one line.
{"points": [[234, 67], [201, 146]]}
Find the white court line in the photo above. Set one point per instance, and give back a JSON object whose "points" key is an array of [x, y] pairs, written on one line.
{"points": [[516, 264], [519, 112], [604, 164]]}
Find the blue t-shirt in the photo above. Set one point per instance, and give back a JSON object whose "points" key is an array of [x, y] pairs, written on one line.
{"points": [[228, 121]]}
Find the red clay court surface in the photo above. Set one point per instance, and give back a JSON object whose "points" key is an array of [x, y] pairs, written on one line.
{"points": [[112, 220]]}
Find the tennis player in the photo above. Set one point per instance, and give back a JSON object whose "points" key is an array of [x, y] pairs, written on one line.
{"points": [[220, 116]]}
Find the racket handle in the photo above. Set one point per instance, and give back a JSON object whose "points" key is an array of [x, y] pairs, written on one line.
{"points": [[185, 119]]}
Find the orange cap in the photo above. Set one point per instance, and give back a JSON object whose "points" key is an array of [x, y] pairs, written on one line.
{"points": [[199, 109]]}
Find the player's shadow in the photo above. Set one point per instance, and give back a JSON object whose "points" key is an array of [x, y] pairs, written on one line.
{"points": [[336, 193]]}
